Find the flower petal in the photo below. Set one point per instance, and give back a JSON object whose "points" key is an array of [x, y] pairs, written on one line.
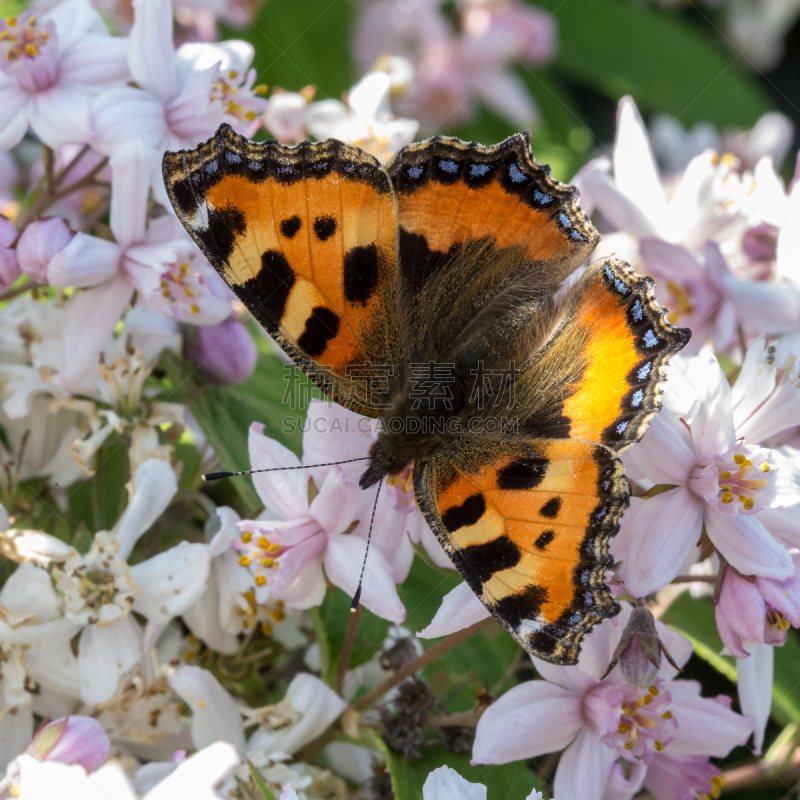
{"points": [[154, 486], [665, 454], [171, 581], [93, 315], [747, 546], [343, 558], [635, 170], [337, 503], [215, 715], [283, 490], [659, 534], [712, 421], [105, 655], [197, 776], [754, 682], [533, 718], [460, 608], [705, 725], [444, 783], [85, 261], [585, 768], [319, 707], [151, 54]]}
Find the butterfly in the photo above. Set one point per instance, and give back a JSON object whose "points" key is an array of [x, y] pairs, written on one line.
{"points": [[443, 274]]}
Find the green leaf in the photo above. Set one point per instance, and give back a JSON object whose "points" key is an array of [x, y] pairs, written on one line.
{"points": [[508, 782], [695, 619], [298, 44], [277, 395], [478, 662], [334, 619], [667, 64], [261, 784]]}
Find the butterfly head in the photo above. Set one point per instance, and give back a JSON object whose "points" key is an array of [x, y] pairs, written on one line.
{"points": [[392, 453]]}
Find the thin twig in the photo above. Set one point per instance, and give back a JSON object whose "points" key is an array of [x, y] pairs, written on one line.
{"points": [[15, 291], [437, 651], [347, 649], [762, 774], [464, 719], [694, 579], [49, 177]]}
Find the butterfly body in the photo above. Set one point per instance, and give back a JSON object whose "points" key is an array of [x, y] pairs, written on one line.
{"points": [[426, 295]]}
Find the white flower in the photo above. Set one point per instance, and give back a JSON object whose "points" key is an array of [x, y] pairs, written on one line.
{"points": [[196, 777], [367, 120], [100, 589]]}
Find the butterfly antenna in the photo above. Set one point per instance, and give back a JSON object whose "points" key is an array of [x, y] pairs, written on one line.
{"points": [[357, 595], [215, 476]]}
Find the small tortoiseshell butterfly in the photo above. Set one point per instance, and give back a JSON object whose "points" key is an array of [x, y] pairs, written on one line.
{"points": [[452, 255]]}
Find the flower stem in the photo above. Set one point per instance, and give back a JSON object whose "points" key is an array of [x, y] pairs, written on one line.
{"points": [[437, 651], [15, 291], [347, 649]]}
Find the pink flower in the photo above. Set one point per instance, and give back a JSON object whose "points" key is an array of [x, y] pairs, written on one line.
{"points": [[333, 433], [453, 67], [293, 555], [757, 611], [739, 493], [157, 260], [39, 244], [50, 66], [601, 721], [225, 353], [182, 97], [9, 266]]}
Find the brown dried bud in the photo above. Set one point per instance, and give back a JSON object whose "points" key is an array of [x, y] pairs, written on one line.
{"points": [[639, 650]]}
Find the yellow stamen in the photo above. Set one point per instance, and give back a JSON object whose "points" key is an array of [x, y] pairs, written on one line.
{"points": [[195, 309], [244, 561], [263, 542], [658, 744], [246, 537], [727, 497], [666, 715], [260, 580], [267, 562]]}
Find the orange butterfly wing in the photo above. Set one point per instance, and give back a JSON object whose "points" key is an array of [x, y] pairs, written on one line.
{"points": [[307, 239], [528, 523]]}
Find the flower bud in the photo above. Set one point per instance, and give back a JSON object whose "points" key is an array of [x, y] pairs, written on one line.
{"points": [[759, 243], [39, 243], [224, 353], [9, 268], [71, 740]]}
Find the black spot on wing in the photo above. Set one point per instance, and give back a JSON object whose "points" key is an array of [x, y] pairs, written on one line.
{"points": [[321, 327], [361, 272], [524, 473], [324, 227], [522, 605], [265, 294], [468, 513], [290, 226], [543, 540], [480, 561], [551, 508]]}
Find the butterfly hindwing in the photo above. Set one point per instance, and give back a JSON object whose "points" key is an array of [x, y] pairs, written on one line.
{"points": [[528, 522], [307, 239], [601, 374]]}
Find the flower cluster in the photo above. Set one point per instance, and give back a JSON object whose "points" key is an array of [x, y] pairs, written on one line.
{"points": [[164, 637]]}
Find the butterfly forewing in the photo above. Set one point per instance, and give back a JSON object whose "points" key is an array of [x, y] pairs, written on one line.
{"points": [[307, 239]]}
